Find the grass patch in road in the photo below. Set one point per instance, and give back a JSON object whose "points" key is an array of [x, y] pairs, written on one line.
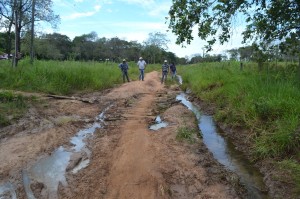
{"points": [[186, 133], [12, 107]]}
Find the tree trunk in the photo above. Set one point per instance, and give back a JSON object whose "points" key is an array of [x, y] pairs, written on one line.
{"points": [[32, 32], [15, 60]]}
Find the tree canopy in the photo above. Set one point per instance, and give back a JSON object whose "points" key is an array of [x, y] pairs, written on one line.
{"points": [[265, 19]]}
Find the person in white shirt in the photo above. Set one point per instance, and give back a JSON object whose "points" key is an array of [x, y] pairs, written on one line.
{"points": [[142, 65]]}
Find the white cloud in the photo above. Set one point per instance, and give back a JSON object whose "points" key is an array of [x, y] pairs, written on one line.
{"points": [[97, 7], [78, 15], [139, 2], [160, 9], [82, 14], [78, 1]]}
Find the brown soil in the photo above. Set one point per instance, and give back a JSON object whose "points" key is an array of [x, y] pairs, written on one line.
{"points": [[128, 160]]}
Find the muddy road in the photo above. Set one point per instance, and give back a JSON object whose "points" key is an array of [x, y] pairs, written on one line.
{"points": [[66, 148]]}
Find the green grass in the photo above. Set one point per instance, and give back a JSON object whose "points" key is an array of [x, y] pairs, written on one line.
{"points": [[187, 134], [12, 107], [55, 77], [293, 169], [266, 103], [63, 77]]}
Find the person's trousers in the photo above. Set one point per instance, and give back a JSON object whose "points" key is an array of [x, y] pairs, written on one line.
{"points": [[141, 74], [125, 74], [164, 76]]}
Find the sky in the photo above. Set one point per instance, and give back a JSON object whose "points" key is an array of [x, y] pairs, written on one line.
{"points": [[131, 20]]}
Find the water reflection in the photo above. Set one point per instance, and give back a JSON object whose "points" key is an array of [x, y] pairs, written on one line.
{"points": [[159, 124]]}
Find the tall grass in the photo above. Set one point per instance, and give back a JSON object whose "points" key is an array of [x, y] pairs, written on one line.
{"points": [[266, 102], [65, 77]]}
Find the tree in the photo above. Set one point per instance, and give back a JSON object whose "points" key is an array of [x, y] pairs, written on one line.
{"points": [[19, 14], [268, 20], [234, 54], [155, 44], [246, 53]]}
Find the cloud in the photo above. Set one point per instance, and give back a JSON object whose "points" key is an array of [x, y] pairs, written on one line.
{"points": [[78, 15], [141, 3], [82, 14], [97, 7], [153, 8], [78, 1]]}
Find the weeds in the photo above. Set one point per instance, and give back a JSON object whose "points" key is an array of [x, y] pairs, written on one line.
{"points": [[12, 107], [265, 102], [186, 133], [293, 169]]}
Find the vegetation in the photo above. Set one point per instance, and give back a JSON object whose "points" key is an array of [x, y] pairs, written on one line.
{"points": [[55, 77], [266, 20], [265, 102], [12, 107], [63, 77], [186, 133]]}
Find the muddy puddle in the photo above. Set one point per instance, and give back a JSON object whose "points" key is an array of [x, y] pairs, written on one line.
{"points": [[158, 124], [49, 171], [224, 152]]}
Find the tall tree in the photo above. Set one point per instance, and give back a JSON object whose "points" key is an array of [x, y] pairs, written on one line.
{"points": [[155, 44], [23, 10]]}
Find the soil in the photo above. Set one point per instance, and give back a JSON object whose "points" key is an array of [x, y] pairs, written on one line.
{"points": [[128, 160]]}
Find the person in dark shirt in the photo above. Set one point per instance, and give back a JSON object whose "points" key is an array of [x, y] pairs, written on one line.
{"points": [[124, 68], [173, 70]]}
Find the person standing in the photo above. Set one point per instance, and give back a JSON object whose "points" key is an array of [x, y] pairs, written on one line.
{"points": [[124, 68], [142, 65], [165, 70], [173, 70]]}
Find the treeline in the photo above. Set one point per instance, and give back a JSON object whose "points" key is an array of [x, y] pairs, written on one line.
{"points": [[253, 53], [88, 47]]}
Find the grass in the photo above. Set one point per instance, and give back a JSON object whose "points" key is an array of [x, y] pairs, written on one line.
{"points": [[292, 168], [264, 102], [63, 77], [186, 133], [12, 107], [55, 77], [267, 103]]}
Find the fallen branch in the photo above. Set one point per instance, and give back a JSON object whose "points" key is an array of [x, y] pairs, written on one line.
{"points": [[85, 100]]}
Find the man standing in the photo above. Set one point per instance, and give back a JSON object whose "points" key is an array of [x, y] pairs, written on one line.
{"points": [[142, 65], [165, 70], [124, 68], [173, 69]]}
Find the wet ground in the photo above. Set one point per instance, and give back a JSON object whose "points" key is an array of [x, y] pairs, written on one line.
{"points": [[122, 146]]}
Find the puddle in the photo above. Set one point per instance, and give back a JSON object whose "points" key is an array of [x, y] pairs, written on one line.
{"points": [[158, 124], [7, 190], [50, 170], [225, 153], [179, 79]]}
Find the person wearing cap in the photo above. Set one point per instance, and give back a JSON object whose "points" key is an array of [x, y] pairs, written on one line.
{"points": [[173, 70], [124, 68], [165, 70], [142, 65]]}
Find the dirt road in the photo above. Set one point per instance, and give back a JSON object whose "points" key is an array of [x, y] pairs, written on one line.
{"points": [[125, 159]]}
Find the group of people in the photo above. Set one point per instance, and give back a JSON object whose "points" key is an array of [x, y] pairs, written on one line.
{"points": [[142, 65]]}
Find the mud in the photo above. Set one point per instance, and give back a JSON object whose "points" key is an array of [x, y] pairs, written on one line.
{"points": [[126, 160]]}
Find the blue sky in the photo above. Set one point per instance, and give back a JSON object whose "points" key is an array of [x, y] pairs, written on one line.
{"points": [[131, 20]]}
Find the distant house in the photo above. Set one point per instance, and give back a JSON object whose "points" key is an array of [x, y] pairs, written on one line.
{"points": [[5, 56]]}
